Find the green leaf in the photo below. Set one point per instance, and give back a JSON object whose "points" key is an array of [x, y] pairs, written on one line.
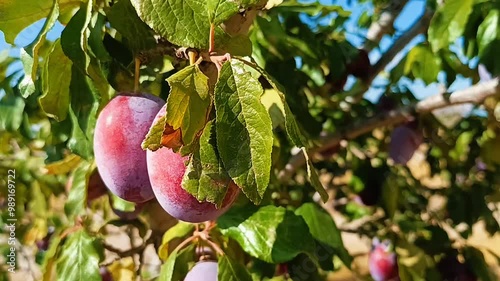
{"points": [[391, 195], [27, 86], [181, 229], [77, 197], [292, 128], [461, 150], [39, 40], [475, 259], [221, 10], [312, 9], [488, 39], [11, 113], [55, 84], [79, 258], [188, 102], [489, 30], [50, 259], [83, 114], [266, 233], [448, 23], [96, 37], [244, 130], [152, 141], [75, 35], [17, 15], [274, 105], [205, 177], [323, 228], [123, 17], [230, 270], [412, 261], [187, 22], [423, 64], [121, 204], [176, 266], [313, 177]]}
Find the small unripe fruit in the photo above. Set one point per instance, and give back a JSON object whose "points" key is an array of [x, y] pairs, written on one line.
{"points": [[121, 127], [203, 270]]}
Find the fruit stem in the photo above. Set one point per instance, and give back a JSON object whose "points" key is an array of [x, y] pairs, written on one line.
{"points": [[185, 242], [136, 74], [211, 42], [192, 57], [215, 247]]}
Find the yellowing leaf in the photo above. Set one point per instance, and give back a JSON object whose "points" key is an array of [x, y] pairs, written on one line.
{"points": [[63, 166], [123, 269], [187, 105]]}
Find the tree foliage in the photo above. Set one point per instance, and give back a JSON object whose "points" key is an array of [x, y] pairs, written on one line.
{"points": [[268, 94]]}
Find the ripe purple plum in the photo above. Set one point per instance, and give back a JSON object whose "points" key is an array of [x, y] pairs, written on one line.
{"points": [[203, 270], [166, 170], [404, 142], [119, 132], [382, 262]]}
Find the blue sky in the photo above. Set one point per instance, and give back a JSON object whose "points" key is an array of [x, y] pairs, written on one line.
{"points": [[409, 15]]}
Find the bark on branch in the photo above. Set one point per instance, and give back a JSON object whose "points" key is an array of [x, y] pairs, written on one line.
{"points": [[475, 94], [384, 24], [420, 26]]}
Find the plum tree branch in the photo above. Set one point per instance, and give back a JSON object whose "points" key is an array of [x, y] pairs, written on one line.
{"points": [[384, 24], [475, 94], [421, 26]]}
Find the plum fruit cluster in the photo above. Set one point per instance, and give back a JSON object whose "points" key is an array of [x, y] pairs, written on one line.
{"points": [[138, 176]]}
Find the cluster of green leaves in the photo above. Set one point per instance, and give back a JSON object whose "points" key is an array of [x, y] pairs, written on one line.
{"points": [[237, 124]]}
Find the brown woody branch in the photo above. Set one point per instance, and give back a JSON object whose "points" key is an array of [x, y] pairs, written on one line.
{"points": [[420, 26], [130, 252], [475, 94], [384, 24]]}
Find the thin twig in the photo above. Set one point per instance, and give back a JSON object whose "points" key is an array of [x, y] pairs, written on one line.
{"points": [[130, 252]]}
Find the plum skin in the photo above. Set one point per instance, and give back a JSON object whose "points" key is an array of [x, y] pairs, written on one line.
{"points": [[120, 129], [404, 142], [203, 270], [383, 265], [166, 170]]}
